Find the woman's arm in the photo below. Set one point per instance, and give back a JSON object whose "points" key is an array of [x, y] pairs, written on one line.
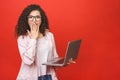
{"points": [[55, 54], [27, 49]]}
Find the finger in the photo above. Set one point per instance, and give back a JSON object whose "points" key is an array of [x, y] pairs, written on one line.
{"points": [[34, 27], [31, 25], [71, 59], [73, 62], [28, 32], [37, 27], [68, 63]]}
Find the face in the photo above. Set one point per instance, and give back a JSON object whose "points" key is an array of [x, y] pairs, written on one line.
{"points": [[34, 18]]}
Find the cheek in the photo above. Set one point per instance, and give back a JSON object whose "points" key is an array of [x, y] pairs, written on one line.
{"points": [[29, 23], [39, 23]]}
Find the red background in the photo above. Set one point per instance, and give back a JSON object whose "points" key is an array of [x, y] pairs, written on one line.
{"points": [[97, 22]]}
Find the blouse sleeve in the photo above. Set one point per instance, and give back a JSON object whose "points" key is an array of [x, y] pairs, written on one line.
{"points": [[27, 49], [55, 55]]}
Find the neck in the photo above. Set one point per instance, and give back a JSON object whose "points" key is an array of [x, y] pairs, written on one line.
{"points": [[40, 35]]}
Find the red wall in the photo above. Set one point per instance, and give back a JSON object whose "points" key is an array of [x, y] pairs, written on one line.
{"points": [[97, 22]]}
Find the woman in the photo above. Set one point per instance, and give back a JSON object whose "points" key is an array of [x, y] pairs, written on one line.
{"points": [[35, 43]]}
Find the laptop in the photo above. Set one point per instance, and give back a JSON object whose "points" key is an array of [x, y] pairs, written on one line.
{"points": [[71, 52]]}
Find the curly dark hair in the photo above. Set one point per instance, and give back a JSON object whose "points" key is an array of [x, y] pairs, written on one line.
{"points": [[22, 24]]}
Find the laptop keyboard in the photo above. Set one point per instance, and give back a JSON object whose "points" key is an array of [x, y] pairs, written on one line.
{"points": [[59, 61]]}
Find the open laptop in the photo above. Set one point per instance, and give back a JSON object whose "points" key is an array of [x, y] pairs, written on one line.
{"points": [[71, 52]]}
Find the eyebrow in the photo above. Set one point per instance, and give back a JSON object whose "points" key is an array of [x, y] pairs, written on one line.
{"points": [[35, 15]]}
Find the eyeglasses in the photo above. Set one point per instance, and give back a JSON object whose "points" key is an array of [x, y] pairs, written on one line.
{"points": [[34, 17]]}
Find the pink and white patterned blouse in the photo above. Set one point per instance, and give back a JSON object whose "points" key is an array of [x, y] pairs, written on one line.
{"points": [[35, 52]]}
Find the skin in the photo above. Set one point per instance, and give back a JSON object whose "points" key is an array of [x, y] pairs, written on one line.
{"points": [[34, 25]]}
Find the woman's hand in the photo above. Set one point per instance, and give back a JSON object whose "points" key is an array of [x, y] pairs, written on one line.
{"points": [[34, 31], [71, 61]]}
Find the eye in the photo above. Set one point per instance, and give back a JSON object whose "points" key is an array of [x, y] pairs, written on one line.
{"points": [[38, 17], [30, 17]]}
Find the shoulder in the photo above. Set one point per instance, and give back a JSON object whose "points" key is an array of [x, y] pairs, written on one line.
{"points": [[49, 33], [22, 38]]}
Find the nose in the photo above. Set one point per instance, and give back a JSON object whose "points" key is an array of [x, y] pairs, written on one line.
{"points": [[34, 19]]}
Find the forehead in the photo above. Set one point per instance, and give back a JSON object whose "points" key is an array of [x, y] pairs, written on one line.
{"points": [[34, 13]]}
